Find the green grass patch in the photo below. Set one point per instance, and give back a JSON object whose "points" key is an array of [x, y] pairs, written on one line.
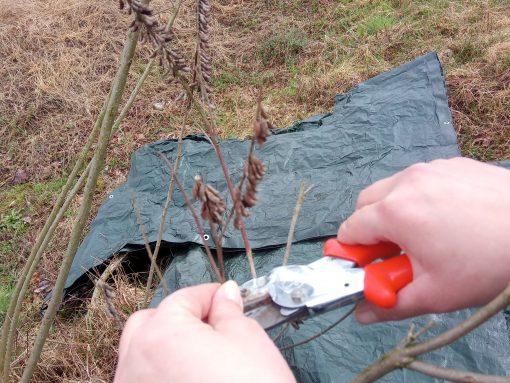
{"points": [[283, 47], [25, 199], [6, 291], [375, 24], [466, 52], [4, 121], [12, 221], [291, 89]]}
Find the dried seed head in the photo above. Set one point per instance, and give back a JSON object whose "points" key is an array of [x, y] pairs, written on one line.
{"points": [[202, 73], [261, 126], [198, 189], [170, 57], [213, 205], [254, 171]]}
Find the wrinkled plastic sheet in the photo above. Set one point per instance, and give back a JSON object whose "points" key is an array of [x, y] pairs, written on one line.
{"points": [[375, 130]]}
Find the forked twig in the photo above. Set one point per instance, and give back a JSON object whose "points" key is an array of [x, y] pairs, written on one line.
{"points": [[211, 130], [97, 163], [116, 262], [164, 213], [455, 375], [404, 355], [194, 214], [146, 243]]}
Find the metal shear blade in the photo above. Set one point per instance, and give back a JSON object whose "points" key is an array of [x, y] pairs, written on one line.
{"points": [[297, 292]]}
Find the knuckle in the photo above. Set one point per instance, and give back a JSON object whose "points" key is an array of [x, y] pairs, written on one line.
{"points": [[362, 196], [390, 208], [417, 173]]}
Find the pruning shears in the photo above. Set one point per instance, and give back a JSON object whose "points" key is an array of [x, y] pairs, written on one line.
{"points": [[345, 275]]}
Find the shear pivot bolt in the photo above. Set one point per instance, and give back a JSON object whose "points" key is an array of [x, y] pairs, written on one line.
{"points": [[244, 292], [297, 295]]}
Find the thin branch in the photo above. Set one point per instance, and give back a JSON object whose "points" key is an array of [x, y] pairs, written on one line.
{"points": [[455, 375], [195, 216], [32, 266], [238, 187], [144, 75], [482, 315], [280, 334], [219, 249], [11, 319], [12, 314], [406, 354], [169, 196], [211, 129], [98, 289], [146, 243], [116, 262], [342, 318], [293, 222], [83, 214], [133, 95]]}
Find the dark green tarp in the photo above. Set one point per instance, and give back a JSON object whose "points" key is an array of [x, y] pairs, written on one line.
{"points": [[378, 128], [345, 350]]}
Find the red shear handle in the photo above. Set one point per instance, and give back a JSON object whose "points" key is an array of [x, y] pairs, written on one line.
{"points": [[384, 279], [360, 254]]}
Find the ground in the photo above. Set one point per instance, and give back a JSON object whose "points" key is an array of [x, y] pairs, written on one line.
{"points": [[59, 57]]}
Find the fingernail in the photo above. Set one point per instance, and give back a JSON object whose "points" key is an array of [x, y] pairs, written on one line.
{"points": [[230, 290]]}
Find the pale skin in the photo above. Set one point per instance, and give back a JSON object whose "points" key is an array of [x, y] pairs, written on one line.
{"points": [[452, 217]]}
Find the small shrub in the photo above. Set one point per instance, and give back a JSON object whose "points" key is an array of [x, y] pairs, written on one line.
{"points": [[12, 221]]}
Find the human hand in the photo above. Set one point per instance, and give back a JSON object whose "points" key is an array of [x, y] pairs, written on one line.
{"points": [[198, 334], [452, 218]]}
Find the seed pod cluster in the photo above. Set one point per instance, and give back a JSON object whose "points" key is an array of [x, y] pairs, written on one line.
{"points": [[202, 74], [109, 296], [261, 126], [170, 57], [213, 205], [254, 171]]}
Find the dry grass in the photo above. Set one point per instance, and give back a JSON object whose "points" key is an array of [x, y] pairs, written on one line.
{"points": [[82, 348], [59, 56]]}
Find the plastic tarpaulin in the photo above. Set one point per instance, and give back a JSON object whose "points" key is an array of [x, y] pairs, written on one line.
{"points": [[341, 353], [378, 128]]}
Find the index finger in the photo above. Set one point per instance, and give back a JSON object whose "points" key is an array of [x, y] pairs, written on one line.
{"points": [[375, 192]]}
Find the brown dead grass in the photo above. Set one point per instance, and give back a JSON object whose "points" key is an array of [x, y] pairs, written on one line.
{"points": [[53, 79], [82, 347], [59, 56]]}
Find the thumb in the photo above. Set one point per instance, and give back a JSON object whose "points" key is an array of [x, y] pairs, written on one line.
{"points": [[227, 307]]}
